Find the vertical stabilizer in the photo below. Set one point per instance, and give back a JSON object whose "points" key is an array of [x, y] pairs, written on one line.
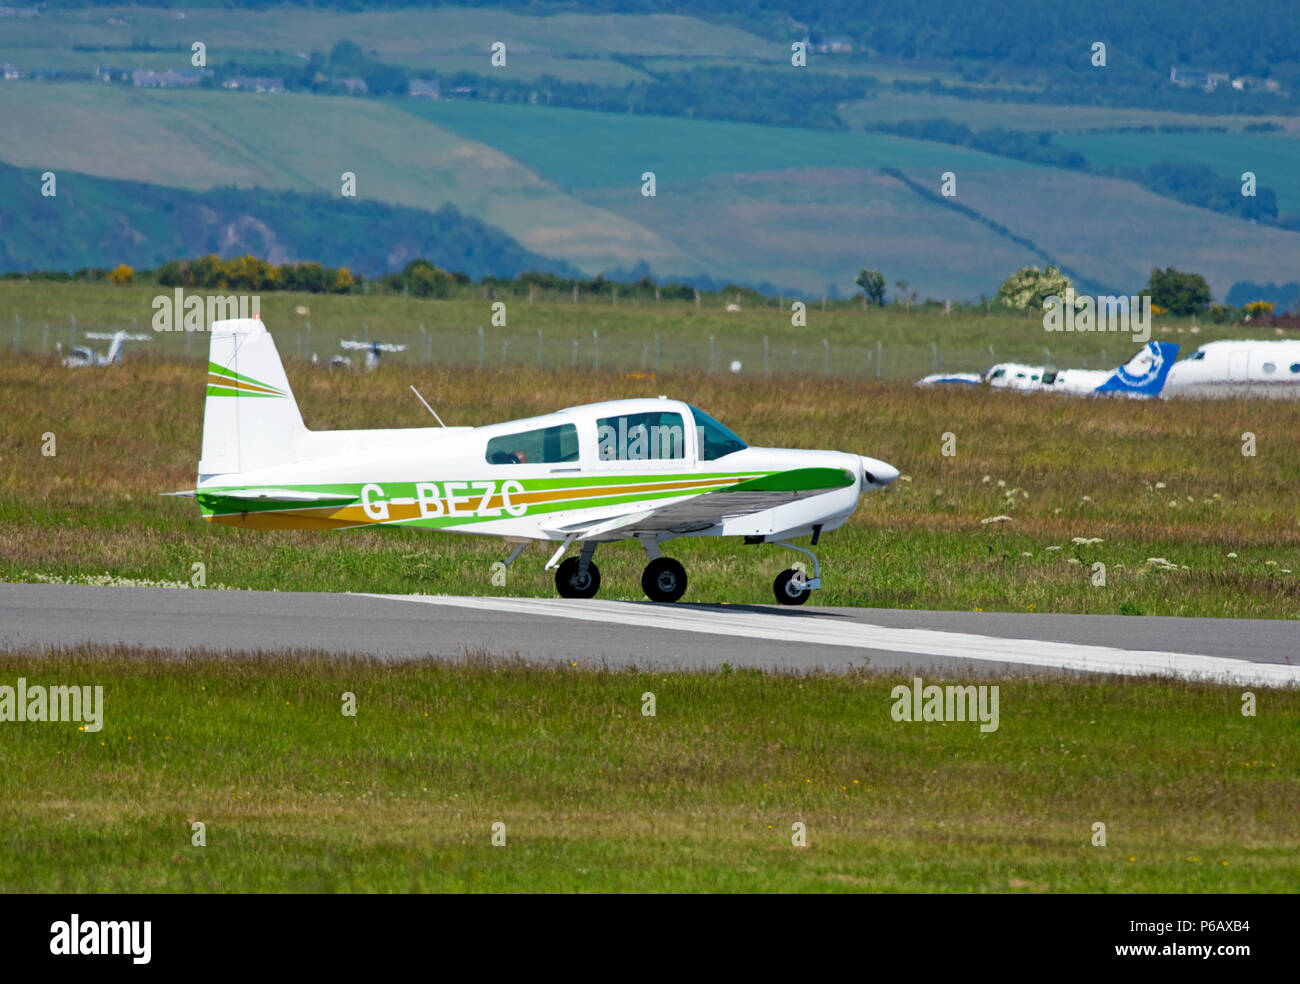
{"points": [[251, 419]]}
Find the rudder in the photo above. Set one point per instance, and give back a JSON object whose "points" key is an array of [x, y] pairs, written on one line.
{"points": [[251, 419], [1145, 373]]}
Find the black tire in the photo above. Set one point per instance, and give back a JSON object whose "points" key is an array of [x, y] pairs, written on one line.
{"points": [[663, 580], [788, 588], [568, 585]]}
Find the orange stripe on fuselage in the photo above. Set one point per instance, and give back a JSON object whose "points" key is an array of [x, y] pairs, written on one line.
{"points": [[333, 517]]}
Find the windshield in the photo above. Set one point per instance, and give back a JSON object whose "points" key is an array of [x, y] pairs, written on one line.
{"points": [[715, 440]]}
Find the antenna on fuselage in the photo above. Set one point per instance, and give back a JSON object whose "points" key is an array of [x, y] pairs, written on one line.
{"points": [[426, 405]]}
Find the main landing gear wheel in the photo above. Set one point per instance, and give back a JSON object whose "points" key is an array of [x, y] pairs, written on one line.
{"points": [[791, 587], [664, 579], [570, 585]]}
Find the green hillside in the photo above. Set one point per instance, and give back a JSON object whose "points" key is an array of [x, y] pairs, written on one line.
{"points": [[100, 222], [202, 139], [794, 208]]}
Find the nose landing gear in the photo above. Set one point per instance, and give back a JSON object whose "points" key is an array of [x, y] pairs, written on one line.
{"points": [[793, 586]]}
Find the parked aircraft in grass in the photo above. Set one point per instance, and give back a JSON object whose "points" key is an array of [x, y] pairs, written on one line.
{"points": [[650, 470], [374, 351], [1246, 368], [1143, 376], [80, 358]]}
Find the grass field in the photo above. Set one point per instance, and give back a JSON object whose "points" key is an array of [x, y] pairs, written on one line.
{"points": [[1150, 479], [594, 796], [408, 36]]}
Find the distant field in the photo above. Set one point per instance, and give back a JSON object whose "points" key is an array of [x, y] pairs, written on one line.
{"points": [[1118, 232], [595, 797], [1151, 479], [893, 107], [404, 36], [1274, 159], [603, 150], [820, 216]]}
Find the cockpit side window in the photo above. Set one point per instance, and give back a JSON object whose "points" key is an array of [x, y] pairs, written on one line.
{"points": [[715, 440], [654, 436], [546, 445], [1198, 356]]}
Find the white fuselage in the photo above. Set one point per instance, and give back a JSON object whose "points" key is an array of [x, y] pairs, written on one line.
{"points": [[1238, 368], [1017, 376]]}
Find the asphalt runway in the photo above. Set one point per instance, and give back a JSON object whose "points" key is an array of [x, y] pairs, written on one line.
{"points": [[681, 636]]}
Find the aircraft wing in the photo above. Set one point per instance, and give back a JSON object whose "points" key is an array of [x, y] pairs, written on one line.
{"points": [[707, 509]]}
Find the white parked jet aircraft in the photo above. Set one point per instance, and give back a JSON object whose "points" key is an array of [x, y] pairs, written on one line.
{"points": [[1232, 368], [1143, 376], [648, 469], [79, 358]]}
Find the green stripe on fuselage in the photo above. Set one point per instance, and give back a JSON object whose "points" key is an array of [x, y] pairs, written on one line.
{"points": [[212, 502]]}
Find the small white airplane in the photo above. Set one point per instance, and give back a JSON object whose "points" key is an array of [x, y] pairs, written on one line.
{"points": [[649, 470], [373, 352], [80, 358], [1142, 376], [1238, 368]]}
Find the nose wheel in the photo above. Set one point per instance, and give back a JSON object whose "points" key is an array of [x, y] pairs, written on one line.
{"points": [[791, 587], [664, 579]]}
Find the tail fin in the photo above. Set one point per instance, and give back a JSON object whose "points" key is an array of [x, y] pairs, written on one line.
{"points": [[114, 357], [1145, 373], [251, 419]]}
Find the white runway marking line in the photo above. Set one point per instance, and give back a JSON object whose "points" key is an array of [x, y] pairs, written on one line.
{"points": [[863, 635]]}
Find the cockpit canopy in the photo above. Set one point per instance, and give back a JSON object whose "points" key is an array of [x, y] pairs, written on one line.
{"points": [[636, 435]]}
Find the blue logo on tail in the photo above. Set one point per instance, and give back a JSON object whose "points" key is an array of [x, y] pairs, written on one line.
{"points": [[1145, 373]]}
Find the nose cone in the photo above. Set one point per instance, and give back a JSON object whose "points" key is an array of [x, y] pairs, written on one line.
{"points": [[877, 472]]}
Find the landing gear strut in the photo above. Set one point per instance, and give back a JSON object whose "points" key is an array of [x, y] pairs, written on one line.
{"points": [[578, 577], [792, 586]]}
